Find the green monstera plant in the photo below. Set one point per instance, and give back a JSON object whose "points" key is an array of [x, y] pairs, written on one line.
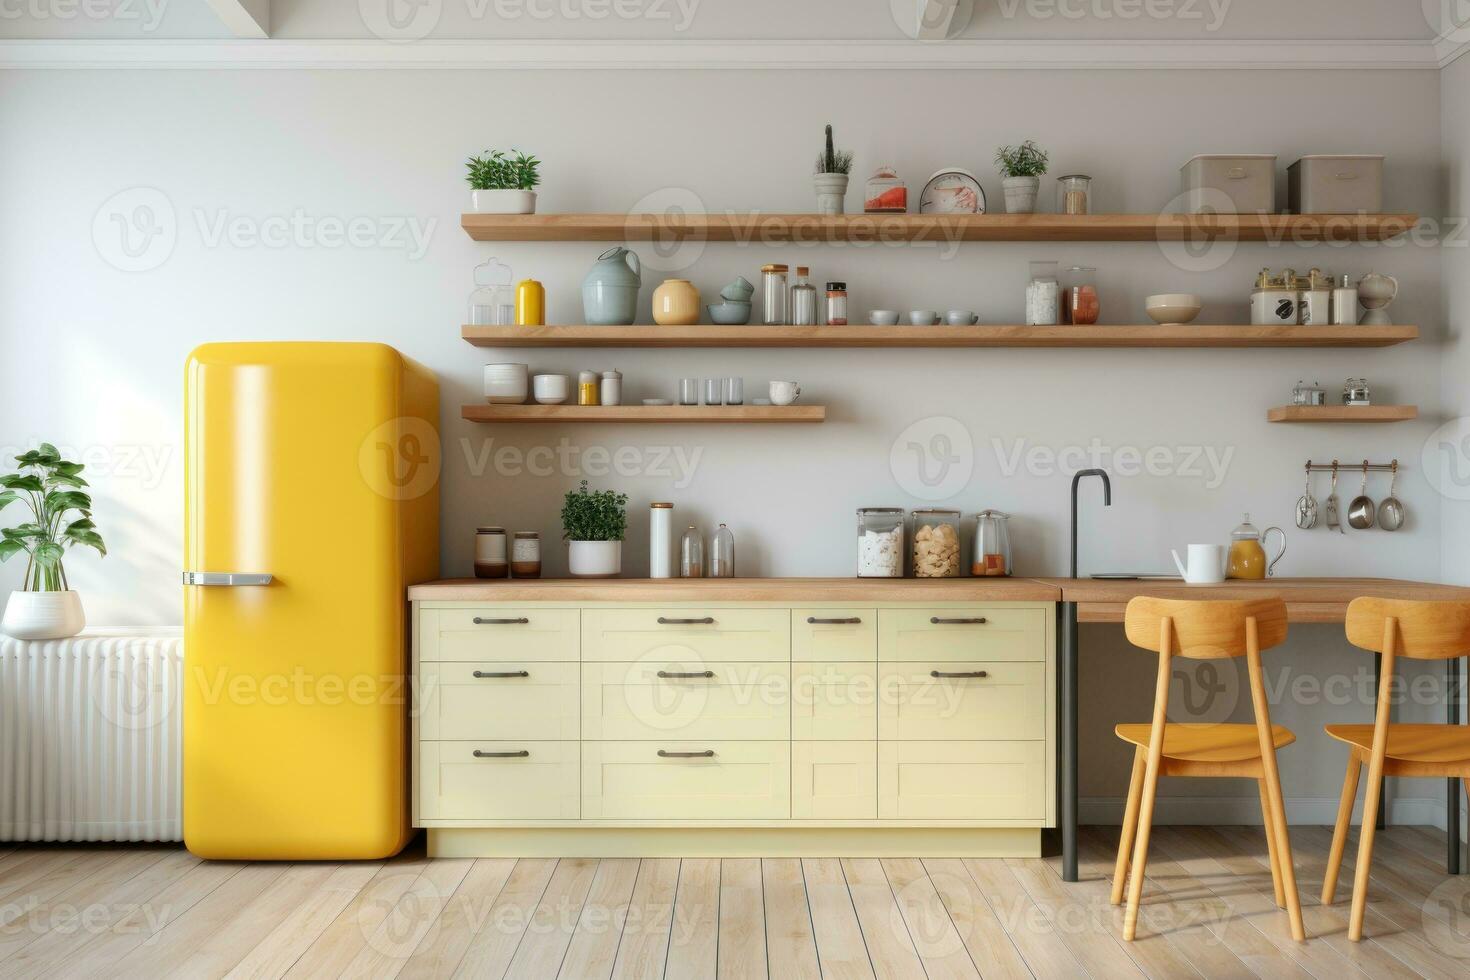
{"points": [[61, 516]]}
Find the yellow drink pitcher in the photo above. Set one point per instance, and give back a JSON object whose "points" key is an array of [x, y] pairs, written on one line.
{"points": [[1248, 556]]}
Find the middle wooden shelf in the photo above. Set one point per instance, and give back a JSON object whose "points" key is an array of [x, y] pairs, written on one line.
{"points": [[987, 335], [644, 413]]}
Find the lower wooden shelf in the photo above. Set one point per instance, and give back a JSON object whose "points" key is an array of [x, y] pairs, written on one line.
{"points": [[645, 413], [1343, 413]]}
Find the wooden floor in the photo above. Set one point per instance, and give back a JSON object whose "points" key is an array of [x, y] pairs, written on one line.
{"points": [[147, 912]]}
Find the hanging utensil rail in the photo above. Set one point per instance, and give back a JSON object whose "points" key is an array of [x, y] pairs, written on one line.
{"points": [[1346, 468]]}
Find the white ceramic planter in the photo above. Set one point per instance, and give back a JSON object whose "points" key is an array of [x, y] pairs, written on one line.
{"points": [[43, 615], [831, 192], [503, 202], [1021, 194], [595, 559]]}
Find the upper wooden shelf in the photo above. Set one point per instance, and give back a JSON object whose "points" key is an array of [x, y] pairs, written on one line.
{"points": [[1343, 413], [768, 229], [644, 413], [1190, 335]]}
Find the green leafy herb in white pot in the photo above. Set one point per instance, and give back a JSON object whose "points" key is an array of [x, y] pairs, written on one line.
{"points": [[46, 608], [595, 522], [833, 169], [1021, 167], [503, 184]]}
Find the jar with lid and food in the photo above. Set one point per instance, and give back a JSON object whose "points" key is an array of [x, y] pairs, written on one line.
{"points": [[880, 542], [936, 543], [1355, 391], [803, 299], [886, 193], [1080, 299], [837, 304], [992, 544], [490, 555], [1074, 194], [691, 554], [1308, 394], [525, 554], [722, 554], [1043, 295], [1274, 299], [774, 295]]}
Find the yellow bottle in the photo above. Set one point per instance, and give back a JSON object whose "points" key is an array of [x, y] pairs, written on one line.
{"points": [[530, 304]]}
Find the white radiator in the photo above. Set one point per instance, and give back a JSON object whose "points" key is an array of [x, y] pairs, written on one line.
{"points": [[89, 738]]}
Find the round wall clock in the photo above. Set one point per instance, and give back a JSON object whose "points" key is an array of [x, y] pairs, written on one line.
{"points": [[952, 192]]}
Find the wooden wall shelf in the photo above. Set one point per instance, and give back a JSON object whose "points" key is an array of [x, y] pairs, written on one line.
{"points": [[645, 413], [768, 229], [1191, 335], [1343, 413]]}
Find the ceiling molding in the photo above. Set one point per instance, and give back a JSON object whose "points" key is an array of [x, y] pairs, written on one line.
{"points": [[244, 18], [1447, 48], [714, 55]]}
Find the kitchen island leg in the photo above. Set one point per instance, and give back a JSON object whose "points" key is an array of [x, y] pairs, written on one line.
{"points": [[1067, 737]]}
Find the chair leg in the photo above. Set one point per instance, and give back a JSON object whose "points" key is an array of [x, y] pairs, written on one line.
{"points": [[1130, 825], [1269, 826], [1365, 849], [1339, 832], [1140, 848], [1283, 848]]}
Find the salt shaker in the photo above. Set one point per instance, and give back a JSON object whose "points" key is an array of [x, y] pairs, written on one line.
{"points": [[612, 388]]}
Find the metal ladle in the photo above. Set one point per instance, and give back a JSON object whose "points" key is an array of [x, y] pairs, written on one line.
{"points": [[1391, 512], [1361, 509]]}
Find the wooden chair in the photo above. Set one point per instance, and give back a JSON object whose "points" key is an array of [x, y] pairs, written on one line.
{"points": [[1394, 628], [1205, 630]]}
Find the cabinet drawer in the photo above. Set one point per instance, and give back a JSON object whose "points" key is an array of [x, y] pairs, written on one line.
{"points": [[739, 781], [979, 633], [500, 783], [1009, 702], [500, 700], [526, 634], [961, 781], [830, 634], [834, 701], [834, 780], [655, 699], [626, 635]]}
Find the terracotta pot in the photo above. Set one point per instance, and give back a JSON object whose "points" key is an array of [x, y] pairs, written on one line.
{"points": [[676, 303]]}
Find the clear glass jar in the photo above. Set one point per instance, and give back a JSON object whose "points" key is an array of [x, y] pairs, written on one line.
{"points": [[1043, 295], [1074, 194], [992, 544], [880, 542], [525, 554], [722, 554], [1308, 394], [934, 537], [1355, 391], [836, 304], [490, 558], [803, 299], [691, 554], [773, 295], [493, 302], [1079, 302]]}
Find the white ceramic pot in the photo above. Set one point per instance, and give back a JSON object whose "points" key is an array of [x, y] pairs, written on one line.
{"points": [[595, 559], [1021, 194], [831, 192], [43, 615], [503, 202]]}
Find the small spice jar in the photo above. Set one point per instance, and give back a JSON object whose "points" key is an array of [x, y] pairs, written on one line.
{"points": [[837, 304], [587, 385], [1074, 194], [525, 554], [490, 552], [1079, 301], [612, 387]]}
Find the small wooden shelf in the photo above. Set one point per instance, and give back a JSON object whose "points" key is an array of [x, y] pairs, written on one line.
{"points": [[1190, 335], [1343, 413], [645, 413], [749, 227]]}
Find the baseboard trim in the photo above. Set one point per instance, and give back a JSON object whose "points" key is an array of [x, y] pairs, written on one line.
{"points": [[654, 842]]}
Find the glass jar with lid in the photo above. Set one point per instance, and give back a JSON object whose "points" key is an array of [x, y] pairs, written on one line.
{"points": [[803, 299], [992, 544], [774, 294], [880, 542], [935, 543], [1079, 300], [722, 554], [493, 303], [525, 554], [691, 554], [1074, 194], [1308, 394], [1043, 295]]}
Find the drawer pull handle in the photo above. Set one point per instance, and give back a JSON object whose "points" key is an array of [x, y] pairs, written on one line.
{"points": [[850, 621], [522, 754], [706, 754], [497, 674], [682, 674], [957, 622], [706, 621], [522, 621], [964, 673]]}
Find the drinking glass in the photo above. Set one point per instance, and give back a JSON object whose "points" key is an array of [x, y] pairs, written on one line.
{"points": [[712, 392], [688, 391], [734, 391]]}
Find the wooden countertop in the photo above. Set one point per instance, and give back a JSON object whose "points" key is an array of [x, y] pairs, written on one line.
{"points": [[793, 590]]}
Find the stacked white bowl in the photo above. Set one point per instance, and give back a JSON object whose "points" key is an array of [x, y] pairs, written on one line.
{"points": [[506, 384]]}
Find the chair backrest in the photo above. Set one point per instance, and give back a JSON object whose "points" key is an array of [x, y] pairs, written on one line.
{"points": [[1205, 629], [1426, 630]]}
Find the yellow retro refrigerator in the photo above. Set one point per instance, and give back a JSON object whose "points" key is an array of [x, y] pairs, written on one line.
{"points": [[311, 503]]}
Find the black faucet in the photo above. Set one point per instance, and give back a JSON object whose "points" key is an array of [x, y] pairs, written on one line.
{"points": [[1107, 502]]}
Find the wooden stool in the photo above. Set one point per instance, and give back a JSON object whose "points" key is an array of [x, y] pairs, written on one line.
{"points": [[1204, 630], [1394, 628]]}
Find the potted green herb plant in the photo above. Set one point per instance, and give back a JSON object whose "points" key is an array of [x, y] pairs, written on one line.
{"points": [[46, 608], [595, 522], [1021, 167], [833, 169], [503, 183]]}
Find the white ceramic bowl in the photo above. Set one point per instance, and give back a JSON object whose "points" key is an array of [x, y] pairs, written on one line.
{"points": [[883, 318], [1172, 309], [551, 389], [506, 384]]}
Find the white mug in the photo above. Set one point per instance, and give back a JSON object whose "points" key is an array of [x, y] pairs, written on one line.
{"points": [[784, 392], [962, 318], [1206, 564], [550, 389]]}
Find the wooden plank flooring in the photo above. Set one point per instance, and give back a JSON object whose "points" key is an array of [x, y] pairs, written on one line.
{"points": [[1209, 911]]}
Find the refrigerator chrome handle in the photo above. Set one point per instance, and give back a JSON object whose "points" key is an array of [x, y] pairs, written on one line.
{"points": [[226, 578]]}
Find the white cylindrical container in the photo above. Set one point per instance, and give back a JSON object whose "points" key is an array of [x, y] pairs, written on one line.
{"points": [[1345, 303], [612, 388], [660, 540]]}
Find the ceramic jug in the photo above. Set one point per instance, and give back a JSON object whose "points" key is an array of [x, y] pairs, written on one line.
{"points": [[1206, 565], [610, 291], [1248, 554]]}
